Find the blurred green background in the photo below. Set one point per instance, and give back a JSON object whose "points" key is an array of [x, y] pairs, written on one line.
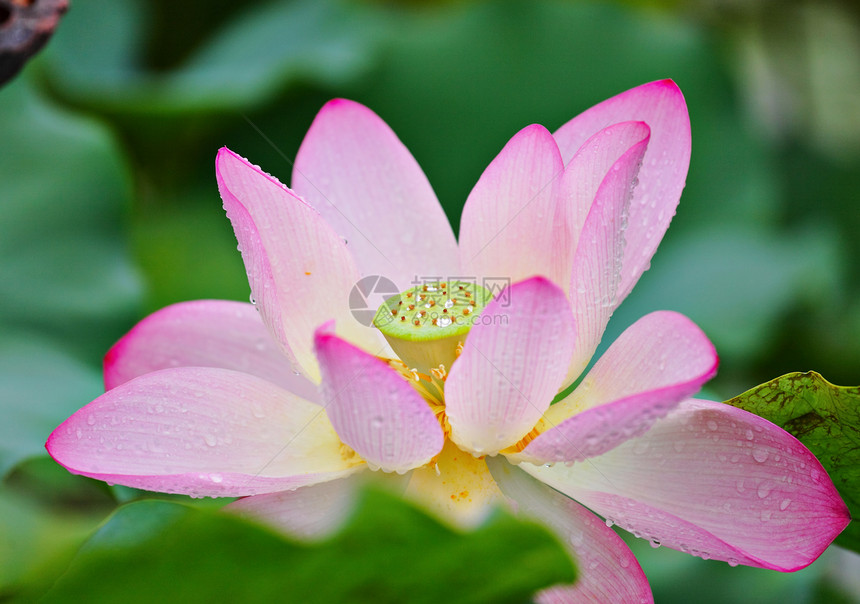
{"points": [[110, 208]]}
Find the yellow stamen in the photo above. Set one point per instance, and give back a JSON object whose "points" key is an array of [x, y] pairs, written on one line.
{"points": [[525, 440]]}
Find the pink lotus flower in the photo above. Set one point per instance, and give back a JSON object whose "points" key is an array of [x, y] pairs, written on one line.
{"points": [[215, 398]]}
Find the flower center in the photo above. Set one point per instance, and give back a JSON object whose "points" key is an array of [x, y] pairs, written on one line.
{"points": [[426, 327], [425, 324]]}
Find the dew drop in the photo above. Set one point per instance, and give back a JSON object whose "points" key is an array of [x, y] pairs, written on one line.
{"points": [[760, 455], [712, 425], [749, 434], [210, 440], [783, 505], [377, 421], [91, 420], [764, 489]]}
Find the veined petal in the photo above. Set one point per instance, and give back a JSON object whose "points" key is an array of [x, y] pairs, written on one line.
{"points": [[714, 481], [201, 431], [299, 269], [664, 170], [512, 363], [373, 409], [597, 265], [204, 333], [355, 171], [507, 228], [587, 169], [607, 569], [657, 362], [312, 512]]}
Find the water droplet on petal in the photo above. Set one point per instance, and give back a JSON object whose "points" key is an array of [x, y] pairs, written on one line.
{"points": [[764, 489], [760, 455], [210, 440]]}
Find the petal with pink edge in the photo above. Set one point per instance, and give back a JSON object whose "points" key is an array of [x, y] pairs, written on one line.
{"points": [[607, 569], [204, 333], [203, 432], [355, 171], [300, 270], [589, 166], [374, 410], [714, 481], [507, 228], [512, 363], [657, 362], [312, 512], [664, 170], [597, 265]]}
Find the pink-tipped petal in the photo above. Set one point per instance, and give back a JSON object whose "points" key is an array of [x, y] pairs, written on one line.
{"points": [[664, 170], [311, 512], [512, 363], [299, 269], [607, 569], [203, 432], [657, 362], [203, 333], [714, 481], [589, 166], [597, 265], [362, 179], [507, 228], [373, 409]]}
